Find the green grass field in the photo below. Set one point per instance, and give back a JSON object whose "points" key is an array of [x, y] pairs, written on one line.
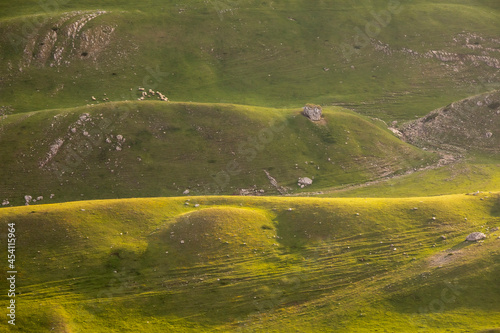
{"points": [[134, 214], [257, 264], [247, 52]]}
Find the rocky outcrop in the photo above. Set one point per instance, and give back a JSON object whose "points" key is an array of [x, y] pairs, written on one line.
{"points": [[252, 191], [313, 112], [475, 236], [60, 41], [467, 125], [282, 190], [304, 181]]}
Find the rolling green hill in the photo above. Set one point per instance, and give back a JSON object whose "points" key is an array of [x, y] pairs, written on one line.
{"points": [[253, 264], [393, 60], [147, 148], [187, 215]]}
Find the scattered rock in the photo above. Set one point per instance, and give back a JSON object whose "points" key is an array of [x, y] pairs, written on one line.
{"points": [[52, 196], [54, 148], [274, 182], [396, 132], [312, 112], [475, 236], [5, 202], [489, 135], [443, 237], [151, 93], [28, 199], [304, 181], [185, 192], [39, 198], [494, 229]]}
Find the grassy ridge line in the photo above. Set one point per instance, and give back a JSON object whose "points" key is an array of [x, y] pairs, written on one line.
{"points": [[105, 263], [130, 149], [281, 55]]}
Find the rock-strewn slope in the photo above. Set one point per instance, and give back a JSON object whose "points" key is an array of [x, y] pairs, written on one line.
{"points": [[472, 124]]}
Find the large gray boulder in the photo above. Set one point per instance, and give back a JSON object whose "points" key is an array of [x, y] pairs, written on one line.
{"points": [[312, 112], [304, 181], [475, 236]]}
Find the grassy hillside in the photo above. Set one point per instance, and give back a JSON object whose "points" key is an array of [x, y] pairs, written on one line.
{"points": [[253, 264], [466, 135], [208, 229], [148, 148], [391, 61], [470, 125], [466, 176]]}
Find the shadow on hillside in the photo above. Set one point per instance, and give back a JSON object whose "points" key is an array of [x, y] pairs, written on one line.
{"points": [[472, 285], [495, 210], [461, 245]]}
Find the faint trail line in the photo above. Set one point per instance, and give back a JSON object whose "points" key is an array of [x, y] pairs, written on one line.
{"points": [[447, 158]]}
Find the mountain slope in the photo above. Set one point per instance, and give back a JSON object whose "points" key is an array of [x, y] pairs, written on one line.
{"points": [[359, 54], [147, 148], [470, 125], [247, 263]]}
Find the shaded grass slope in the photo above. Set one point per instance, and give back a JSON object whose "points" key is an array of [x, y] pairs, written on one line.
{"points": [[147, 148], [389, 60]]}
